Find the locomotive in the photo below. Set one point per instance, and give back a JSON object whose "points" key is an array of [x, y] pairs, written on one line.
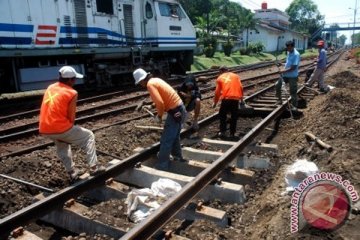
{"points": [[103, 39]]}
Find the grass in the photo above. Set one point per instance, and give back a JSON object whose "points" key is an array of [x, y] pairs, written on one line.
{"points": [[219, 59]]}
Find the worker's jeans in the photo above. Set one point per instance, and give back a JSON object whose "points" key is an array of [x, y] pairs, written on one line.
{"points": [[78, 136], [293, 89], [317, 75], [170, 140]]}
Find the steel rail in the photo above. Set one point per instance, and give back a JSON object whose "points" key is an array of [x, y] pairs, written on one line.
{"points": [[50, 143], [109, 95], [156, 220], [159, 218], [57, 199]]}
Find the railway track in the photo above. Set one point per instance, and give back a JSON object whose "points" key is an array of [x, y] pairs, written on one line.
{"points": [[202, 174], [10, 113], [90, 110]]}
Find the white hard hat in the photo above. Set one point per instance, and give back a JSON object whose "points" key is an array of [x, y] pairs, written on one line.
{"points": [[69, 72], [139, 75]]}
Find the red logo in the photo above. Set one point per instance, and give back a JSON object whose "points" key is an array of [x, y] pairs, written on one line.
{"points": [[325, 206], [46, 35]]}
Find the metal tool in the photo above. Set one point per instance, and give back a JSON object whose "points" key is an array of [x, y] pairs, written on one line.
{"points": [[283, 88], [27, 183], [147, 110]]}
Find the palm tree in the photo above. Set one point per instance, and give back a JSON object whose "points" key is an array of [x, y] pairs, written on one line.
{"points": [[247, 22]]}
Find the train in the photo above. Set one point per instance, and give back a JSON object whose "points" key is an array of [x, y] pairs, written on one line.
{"points": [[103, 39]]}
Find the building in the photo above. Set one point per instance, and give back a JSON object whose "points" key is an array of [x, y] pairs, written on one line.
{"points": [[273, 30]]}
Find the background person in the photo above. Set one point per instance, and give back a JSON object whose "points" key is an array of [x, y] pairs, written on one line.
{"points": [[190, 95], [166, 100], [318, 74], [57, 119], [290, 74], [229, 89]]}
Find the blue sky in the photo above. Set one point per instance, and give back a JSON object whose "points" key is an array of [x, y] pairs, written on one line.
{"points": [[335, 11]]}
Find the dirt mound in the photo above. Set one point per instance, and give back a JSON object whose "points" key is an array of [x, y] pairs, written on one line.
{"points": [[335, 119], [345, 79]]}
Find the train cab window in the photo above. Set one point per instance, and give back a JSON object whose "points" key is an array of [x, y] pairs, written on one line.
{"points": [[105, 6], [171, 10], [148, 10]]}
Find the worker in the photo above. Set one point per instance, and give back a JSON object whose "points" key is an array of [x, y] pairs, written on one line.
{"points": [[167, 100], [57, 122], [229, 89], [318, 74], [191, 97], [290, 74]]}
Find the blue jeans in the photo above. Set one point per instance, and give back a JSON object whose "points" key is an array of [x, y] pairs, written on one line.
{"points": [[170, 139]]}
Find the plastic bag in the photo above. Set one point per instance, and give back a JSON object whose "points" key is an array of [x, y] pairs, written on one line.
{"points": [[142, 202], [165, 187], [298, 171]]}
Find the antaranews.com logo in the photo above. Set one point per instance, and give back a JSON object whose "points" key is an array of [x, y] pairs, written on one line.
{"points": [[323, 201]]}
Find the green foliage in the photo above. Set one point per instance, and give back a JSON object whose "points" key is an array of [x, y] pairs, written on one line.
{"points": [[256, 48], [342, 39], [228, 46], [244, 51], [304, 16], [210, 44], [209, 51], [202, 62]]}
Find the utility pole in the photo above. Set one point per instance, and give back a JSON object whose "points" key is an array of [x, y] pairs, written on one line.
{"points": [[353, 36]]}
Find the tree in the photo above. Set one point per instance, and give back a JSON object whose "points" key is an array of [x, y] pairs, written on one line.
{"points": [[304, 16], [198, 8], [355, 38], [342, 40], [333, 34], [247, 22]]}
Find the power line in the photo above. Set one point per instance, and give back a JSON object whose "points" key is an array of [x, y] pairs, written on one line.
{"points": [[249, 2], [254, 3]]}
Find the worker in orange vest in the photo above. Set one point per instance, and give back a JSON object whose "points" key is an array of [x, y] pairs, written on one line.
{"points": [[57, 119], [229, 89], [167, 100]]}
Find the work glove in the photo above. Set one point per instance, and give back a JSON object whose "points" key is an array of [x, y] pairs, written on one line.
{"points": [[157, 119], [148, 107]]}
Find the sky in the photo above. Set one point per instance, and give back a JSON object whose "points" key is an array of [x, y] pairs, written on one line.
{"points": [[335, 11]]}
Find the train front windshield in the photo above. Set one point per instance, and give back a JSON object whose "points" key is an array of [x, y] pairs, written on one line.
{"points": [[171, 10]]}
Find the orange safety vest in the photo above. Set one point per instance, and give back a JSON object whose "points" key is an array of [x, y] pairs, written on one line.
{"points": [[54, 109], [228, 86]]}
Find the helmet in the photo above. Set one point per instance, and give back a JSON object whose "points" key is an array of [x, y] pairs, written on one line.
{"points": [[139, 75], [321, 43], [69, 72]]}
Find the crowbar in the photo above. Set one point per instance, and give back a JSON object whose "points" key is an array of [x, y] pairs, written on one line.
{"points": [[27, 183]]}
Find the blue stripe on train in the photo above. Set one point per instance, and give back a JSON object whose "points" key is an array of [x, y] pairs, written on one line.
{"points": [[8, 27], [95, 30], [85, 30], [70, 41], [110, 41], [15, 41]]}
